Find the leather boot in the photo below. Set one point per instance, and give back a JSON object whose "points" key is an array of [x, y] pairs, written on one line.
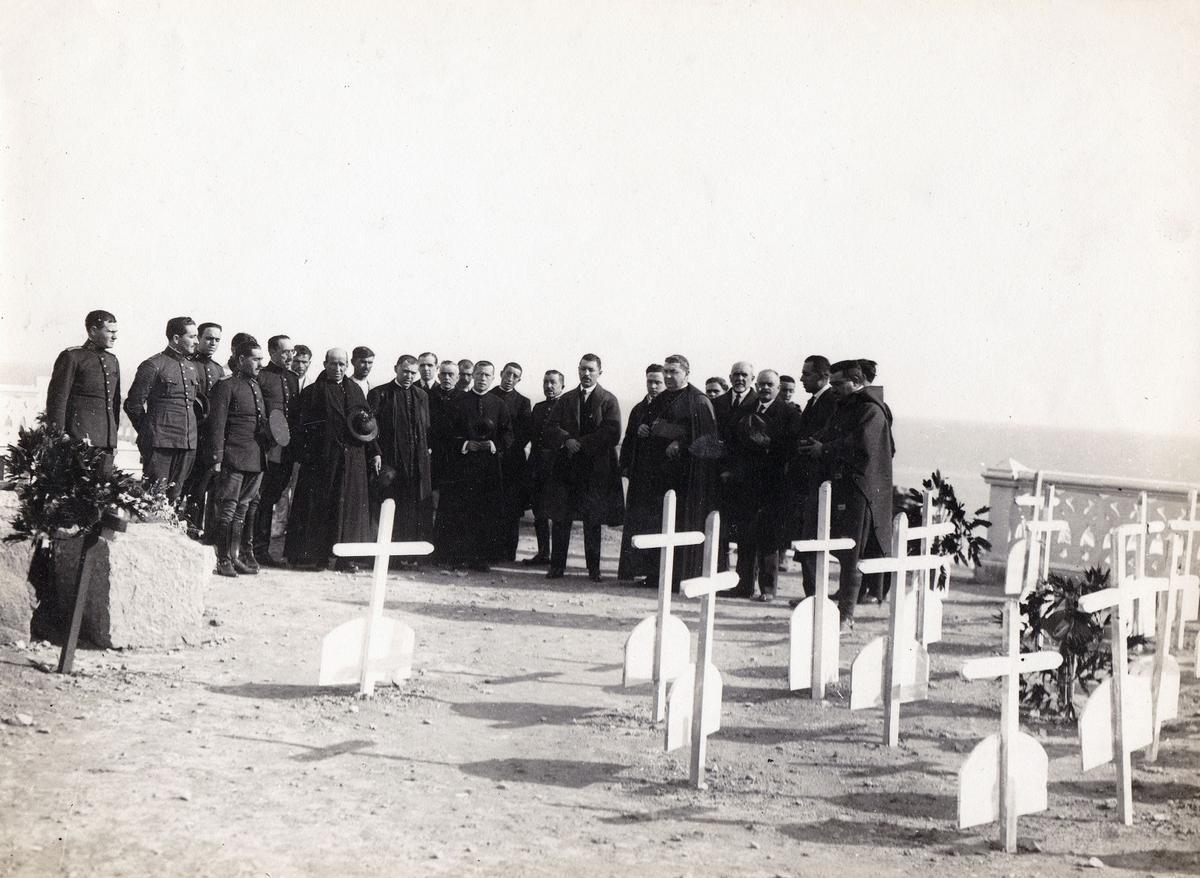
{"points": [[222, 544], [245, 555], [236, 532]]}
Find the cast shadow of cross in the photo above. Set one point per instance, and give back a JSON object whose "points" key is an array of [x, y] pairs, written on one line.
{"points": [[567, 773], [313, 753], [1155, 861], [867, 833], [498, 615], [280, 691], [522, 714]]}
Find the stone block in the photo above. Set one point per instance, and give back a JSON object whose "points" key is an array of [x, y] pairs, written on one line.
{"points": [[16, 594], [147, 586]]}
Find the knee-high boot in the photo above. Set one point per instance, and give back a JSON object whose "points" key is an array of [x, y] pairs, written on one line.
{"points": [[240, 534], [224, 547]]}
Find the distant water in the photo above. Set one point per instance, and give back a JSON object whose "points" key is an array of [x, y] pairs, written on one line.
{"points": [[962, 450]]}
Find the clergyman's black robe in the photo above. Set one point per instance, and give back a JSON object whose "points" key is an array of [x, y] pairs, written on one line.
{"points": [[330, 503], [403, 416], [471, 516]]}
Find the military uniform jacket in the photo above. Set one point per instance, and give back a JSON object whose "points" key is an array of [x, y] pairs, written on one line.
{"points": [[281, 392], [84, 398], [236, 424], [160, 402], [208, 374]]}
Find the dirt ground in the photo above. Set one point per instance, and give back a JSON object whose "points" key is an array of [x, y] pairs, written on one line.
{"points": [[514, 750]]}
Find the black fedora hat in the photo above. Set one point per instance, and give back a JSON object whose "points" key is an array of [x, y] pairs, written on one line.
{"points": [[362, 424]]}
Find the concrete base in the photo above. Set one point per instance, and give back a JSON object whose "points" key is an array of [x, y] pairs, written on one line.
{"points": [[147, 586]]}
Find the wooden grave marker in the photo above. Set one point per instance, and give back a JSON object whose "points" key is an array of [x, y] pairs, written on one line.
{"points": [[657, 649], [1161, 667], [893, 669], [1189, 606], [1039, 532], [810, 667], [695, 698], [927, 609], [1005, 775], [1117, 717], [372, 647]]}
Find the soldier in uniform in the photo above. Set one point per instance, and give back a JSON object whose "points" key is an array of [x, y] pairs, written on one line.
{"points": [[235, 432], [84, 398], [281, 391], [160, 407], [200, 511]]}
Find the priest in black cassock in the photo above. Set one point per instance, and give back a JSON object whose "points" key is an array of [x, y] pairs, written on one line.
{"points": [[330, 503], [516, 482], [401, 409], [471, 508], [688, 427], [641, 462]]}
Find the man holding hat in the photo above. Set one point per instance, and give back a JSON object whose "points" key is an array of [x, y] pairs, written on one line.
{"points": [[281, 392], [334, 442], [402, 409]]}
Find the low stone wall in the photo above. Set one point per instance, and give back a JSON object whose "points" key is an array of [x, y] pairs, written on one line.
{"points": [[16, 594], [147, 586]]}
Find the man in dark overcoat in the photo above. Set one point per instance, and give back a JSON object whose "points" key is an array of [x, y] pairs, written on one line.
{"points": [[759, 445], [728, 407], [807, 473], [162, 408], [471, 506], [856, 451], [281, 390], [330, 504], [516, 482], [641, 463], [541, 460], [585, 481], [84, 396], [401, 408]]}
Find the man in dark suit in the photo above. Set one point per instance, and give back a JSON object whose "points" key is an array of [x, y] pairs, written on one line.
{"points": [[281, 391], [84, 397], [641, 462], [335, 456], [402, 410], [760, 444], [856, 451], [585, 482], [440, 422], [516, 488], [200, 511], [235, 434], [541, 458], [466, 376], [727, 409], [427, 366], [807, 473], [471, 506], [161, 407]]}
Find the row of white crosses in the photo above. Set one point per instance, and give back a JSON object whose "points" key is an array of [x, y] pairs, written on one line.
{"points": [[658, 648]]}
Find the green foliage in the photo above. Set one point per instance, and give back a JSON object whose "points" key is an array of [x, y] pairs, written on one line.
{"points": [[64, 484], [964, 544], [1051, 619]]}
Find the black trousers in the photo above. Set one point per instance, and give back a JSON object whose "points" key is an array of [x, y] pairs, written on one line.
{"points": [[274, 482], [560, 541], [170, 467], [757, 559]]}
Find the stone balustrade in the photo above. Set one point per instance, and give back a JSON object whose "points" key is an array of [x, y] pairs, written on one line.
{"points": [[1093, 506]]}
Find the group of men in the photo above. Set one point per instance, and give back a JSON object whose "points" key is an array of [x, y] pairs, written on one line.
{"points": [[464, 460]]}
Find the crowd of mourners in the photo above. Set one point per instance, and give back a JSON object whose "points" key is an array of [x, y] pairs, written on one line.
{"points": [[241, 444]]}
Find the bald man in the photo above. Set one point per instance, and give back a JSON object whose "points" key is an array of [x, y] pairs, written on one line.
{"points": [[336, 453], [740, 399]]}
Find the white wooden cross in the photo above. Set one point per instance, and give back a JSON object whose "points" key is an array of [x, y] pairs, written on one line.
{"points": [[1117, 717], [1189, 608], [894, 669], [1161, 667], [1140, 531], [371, 647], [695, 698], [657, 650], [929, 597], [814, 627], [1006, 774], [1040, 532]]}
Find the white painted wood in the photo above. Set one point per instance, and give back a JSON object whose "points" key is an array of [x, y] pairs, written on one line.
{"points": [[800, 660], [1095, 721], [979, 780], [805, 660], [681, 702], [381, 640], [667, 541], [927, 609], [1189, 605], [1168, 692], [866, 674], [639, 651]]}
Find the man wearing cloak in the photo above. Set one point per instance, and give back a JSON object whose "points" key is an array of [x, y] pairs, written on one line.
{"points": [[401, 409]]}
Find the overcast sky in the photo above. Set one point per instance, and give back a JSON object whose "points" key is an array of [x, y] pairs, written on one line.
{"points": [[997, 201]]}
